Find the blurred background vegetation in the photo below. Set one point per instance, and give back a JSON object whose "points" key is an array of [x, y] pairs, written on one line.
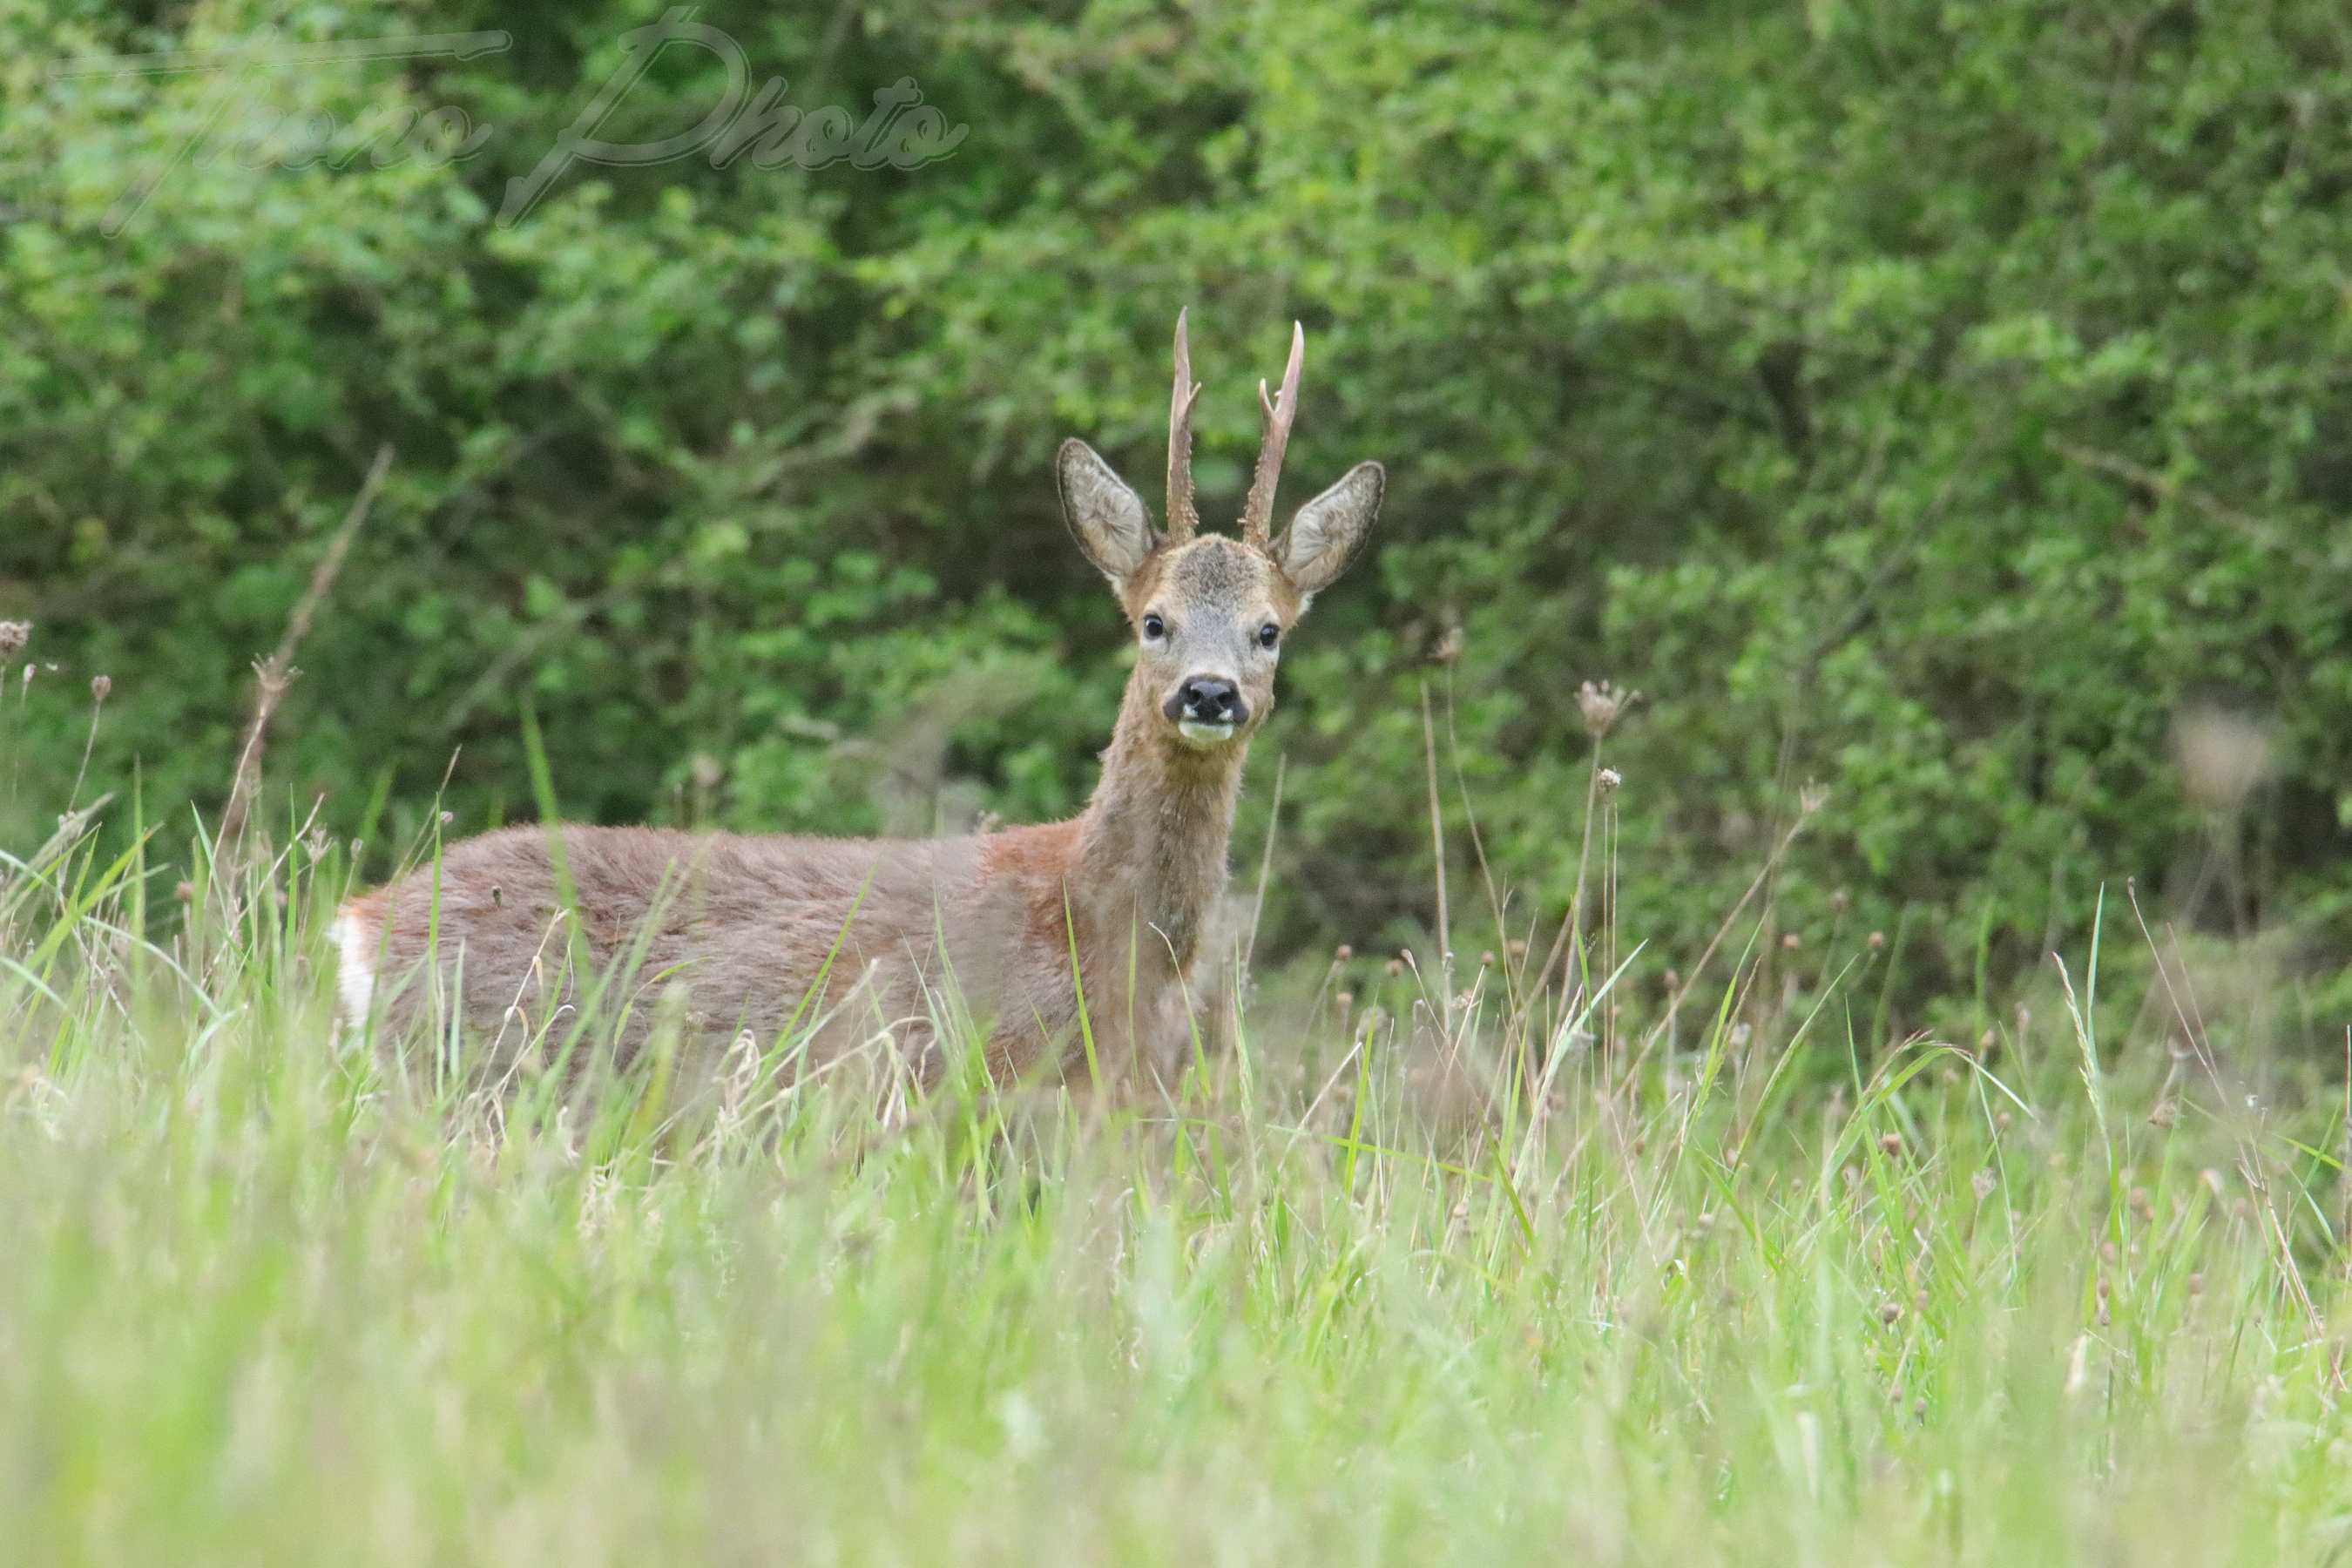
{"points": [[1948, 405]]}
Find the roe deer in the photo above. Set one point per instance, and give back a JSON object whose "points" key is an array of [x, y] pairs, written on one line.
{"points": [[879, 930]]}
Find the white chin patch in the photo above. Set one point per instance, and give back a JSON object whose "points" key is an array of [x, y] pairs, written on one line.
{"points": [[1201, 734]]}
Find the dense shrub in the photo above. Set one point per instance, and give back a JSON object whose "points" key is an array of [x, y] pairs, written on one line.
{"points": [[1932, 401]]}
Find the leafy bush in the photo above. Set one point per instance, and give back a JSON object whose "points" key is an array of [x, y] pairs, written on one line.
{"points": [[1934, 402]]}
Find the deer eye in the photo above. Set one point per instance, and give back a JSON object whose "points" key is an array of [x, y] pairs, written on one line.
{"points": [[1154, 628], [1268, 635]]}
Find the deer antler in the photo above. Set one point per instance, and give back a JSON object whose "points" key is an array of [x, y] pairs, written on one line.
{"points": [[1279, 412], [1183, 519]]}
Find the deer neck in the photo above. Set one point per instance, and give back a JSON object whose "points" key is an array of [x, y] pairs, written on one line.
{"points": [[1152, 841]]}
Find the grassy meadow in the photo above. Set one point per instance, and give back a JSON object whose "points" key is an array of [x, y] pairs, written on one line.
{"points": [[1950, 404], [1390, 1275]]}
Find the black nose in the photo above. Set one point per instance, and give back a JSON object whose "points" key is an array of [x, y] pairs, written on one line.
{"points": [[1208, 699]]}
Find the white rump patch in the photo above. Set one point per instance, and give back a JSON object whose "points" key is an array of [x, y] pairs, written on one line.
{"points": [[355, 974]]}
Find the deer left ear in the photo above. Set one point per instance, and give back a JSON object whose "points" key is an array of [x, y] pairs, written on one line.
{"points": [[1327, 531], [1106, 517]]}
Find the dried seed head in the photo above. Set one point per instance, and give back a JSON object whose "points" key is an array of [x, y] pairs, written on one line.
{"points": [[1396, 968], [1516, 947], [1890, 1312], [1347, 999], [1877, 940], [1603, 705], [2222, 756], [2167, 1111], [1841, 900], [1343, 953], [1790, 942], [1448, 646], [1487, 959], [13, 636], [1890, 1142], [100, 686], [1983, 1183], [1813, 798], [1608, 779], [707, 771]]}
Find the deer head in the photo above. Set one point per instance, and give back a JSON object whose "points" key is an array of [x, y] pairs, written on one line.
{"points": [[1210, 611]]}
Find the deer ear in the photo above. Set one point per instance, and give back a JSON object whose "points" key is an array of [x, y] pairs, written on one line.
{"points": [[1325, 533], [1106, 516]]}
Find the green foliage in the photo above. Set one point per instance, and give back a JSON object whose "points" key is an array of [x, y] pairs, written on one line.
{"points": [[1928, 401]]}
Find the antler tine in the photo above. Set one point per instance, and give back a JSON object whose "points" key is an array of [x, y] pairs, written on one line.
{"points": [[1279, 413], [1183, 519]]}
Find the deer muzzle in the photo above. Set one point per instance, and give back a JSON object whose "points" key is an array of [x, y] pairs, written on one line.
{"points": [[1207, 709]]}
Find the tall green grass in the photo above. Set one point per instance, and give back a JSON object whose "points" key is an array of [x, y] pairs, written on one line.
{"points": [[1415, 1278]]}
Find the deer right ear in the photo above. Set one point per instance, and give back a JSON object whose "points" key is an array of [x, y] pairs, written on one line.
{"points": [[1329, 530], [1106, 516]]}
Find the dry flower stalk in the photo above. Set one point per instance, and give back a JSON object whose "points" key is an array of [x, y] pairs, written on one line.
{"points": [[276, 672]]}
